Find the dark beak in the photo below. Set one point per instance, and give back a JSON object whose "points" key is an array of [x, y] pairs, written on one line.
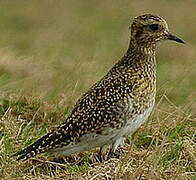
{"points": [[174, 38]]}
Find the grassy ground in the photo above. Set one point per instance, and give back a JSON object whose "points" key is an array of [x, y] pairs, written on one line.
{"points": [[53, 51]]}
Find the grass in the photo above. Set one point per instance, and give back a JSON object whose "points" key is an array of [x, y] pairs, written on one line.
{"points": [[164, 148], [51, 52]]}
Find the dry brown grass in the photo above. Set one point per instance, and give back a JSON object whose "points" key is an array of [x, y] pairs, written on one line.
{"points": [[164, 148]]}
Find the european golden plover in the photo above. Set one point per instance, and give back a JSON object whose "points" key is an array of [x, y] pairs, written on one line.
{"points": [[118, 104]]}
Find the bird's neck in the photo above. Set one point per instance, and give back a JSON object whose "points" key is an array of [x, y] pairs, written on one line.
{"points": [[143, 54], [146, 49], [138, 58]]}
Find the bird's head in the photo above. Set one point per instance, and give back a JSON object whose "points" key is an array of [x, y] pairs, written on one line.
{"points": [[148, 30]]}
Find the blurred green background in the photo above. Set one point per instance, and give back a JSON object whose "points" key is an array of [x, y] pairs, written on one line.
{"points": [[57, 48]]}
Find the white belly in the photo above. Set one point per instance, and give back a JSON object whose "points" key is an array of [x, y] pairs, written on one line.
{"points": [[133, 124], [115, 135]]}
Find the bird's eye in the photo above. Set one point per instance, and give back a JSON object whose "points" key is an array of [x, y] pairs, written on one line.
{"points": [[154, 27]]}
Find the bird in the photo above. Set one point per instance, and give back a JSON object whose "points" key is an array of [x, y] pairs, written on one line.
{"points": [[115, 106]]}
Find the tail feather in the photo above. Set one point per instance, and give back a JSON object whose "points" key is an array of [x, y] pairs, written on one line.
{"points": [[45, 143]]}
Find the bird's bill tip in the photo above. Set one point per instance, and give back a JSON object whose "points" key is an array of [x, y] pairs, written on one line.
{"points": [[175, 38]]}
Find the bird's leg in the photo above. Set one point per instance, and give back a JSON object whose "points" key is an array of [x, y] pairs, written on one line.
{"points": [[101, 153], [100, 156], [113, 150], [114, 153]]}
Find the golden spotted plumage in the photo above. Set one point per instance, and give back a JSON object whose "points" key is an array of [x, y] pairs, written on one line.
{"points": [[118, 104]]}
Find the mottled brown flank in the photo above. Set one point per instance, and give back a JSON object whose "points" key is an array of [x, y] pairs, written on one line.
{"points": [[123, 94]]}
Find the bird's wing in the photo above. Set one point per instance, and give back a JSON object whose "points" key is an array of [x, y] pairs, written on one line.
{"points": [[94, 111]]}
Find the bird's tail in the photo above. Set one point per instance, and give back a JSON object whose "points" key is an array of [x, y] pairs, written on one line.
{"points": [[45, 143]]}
